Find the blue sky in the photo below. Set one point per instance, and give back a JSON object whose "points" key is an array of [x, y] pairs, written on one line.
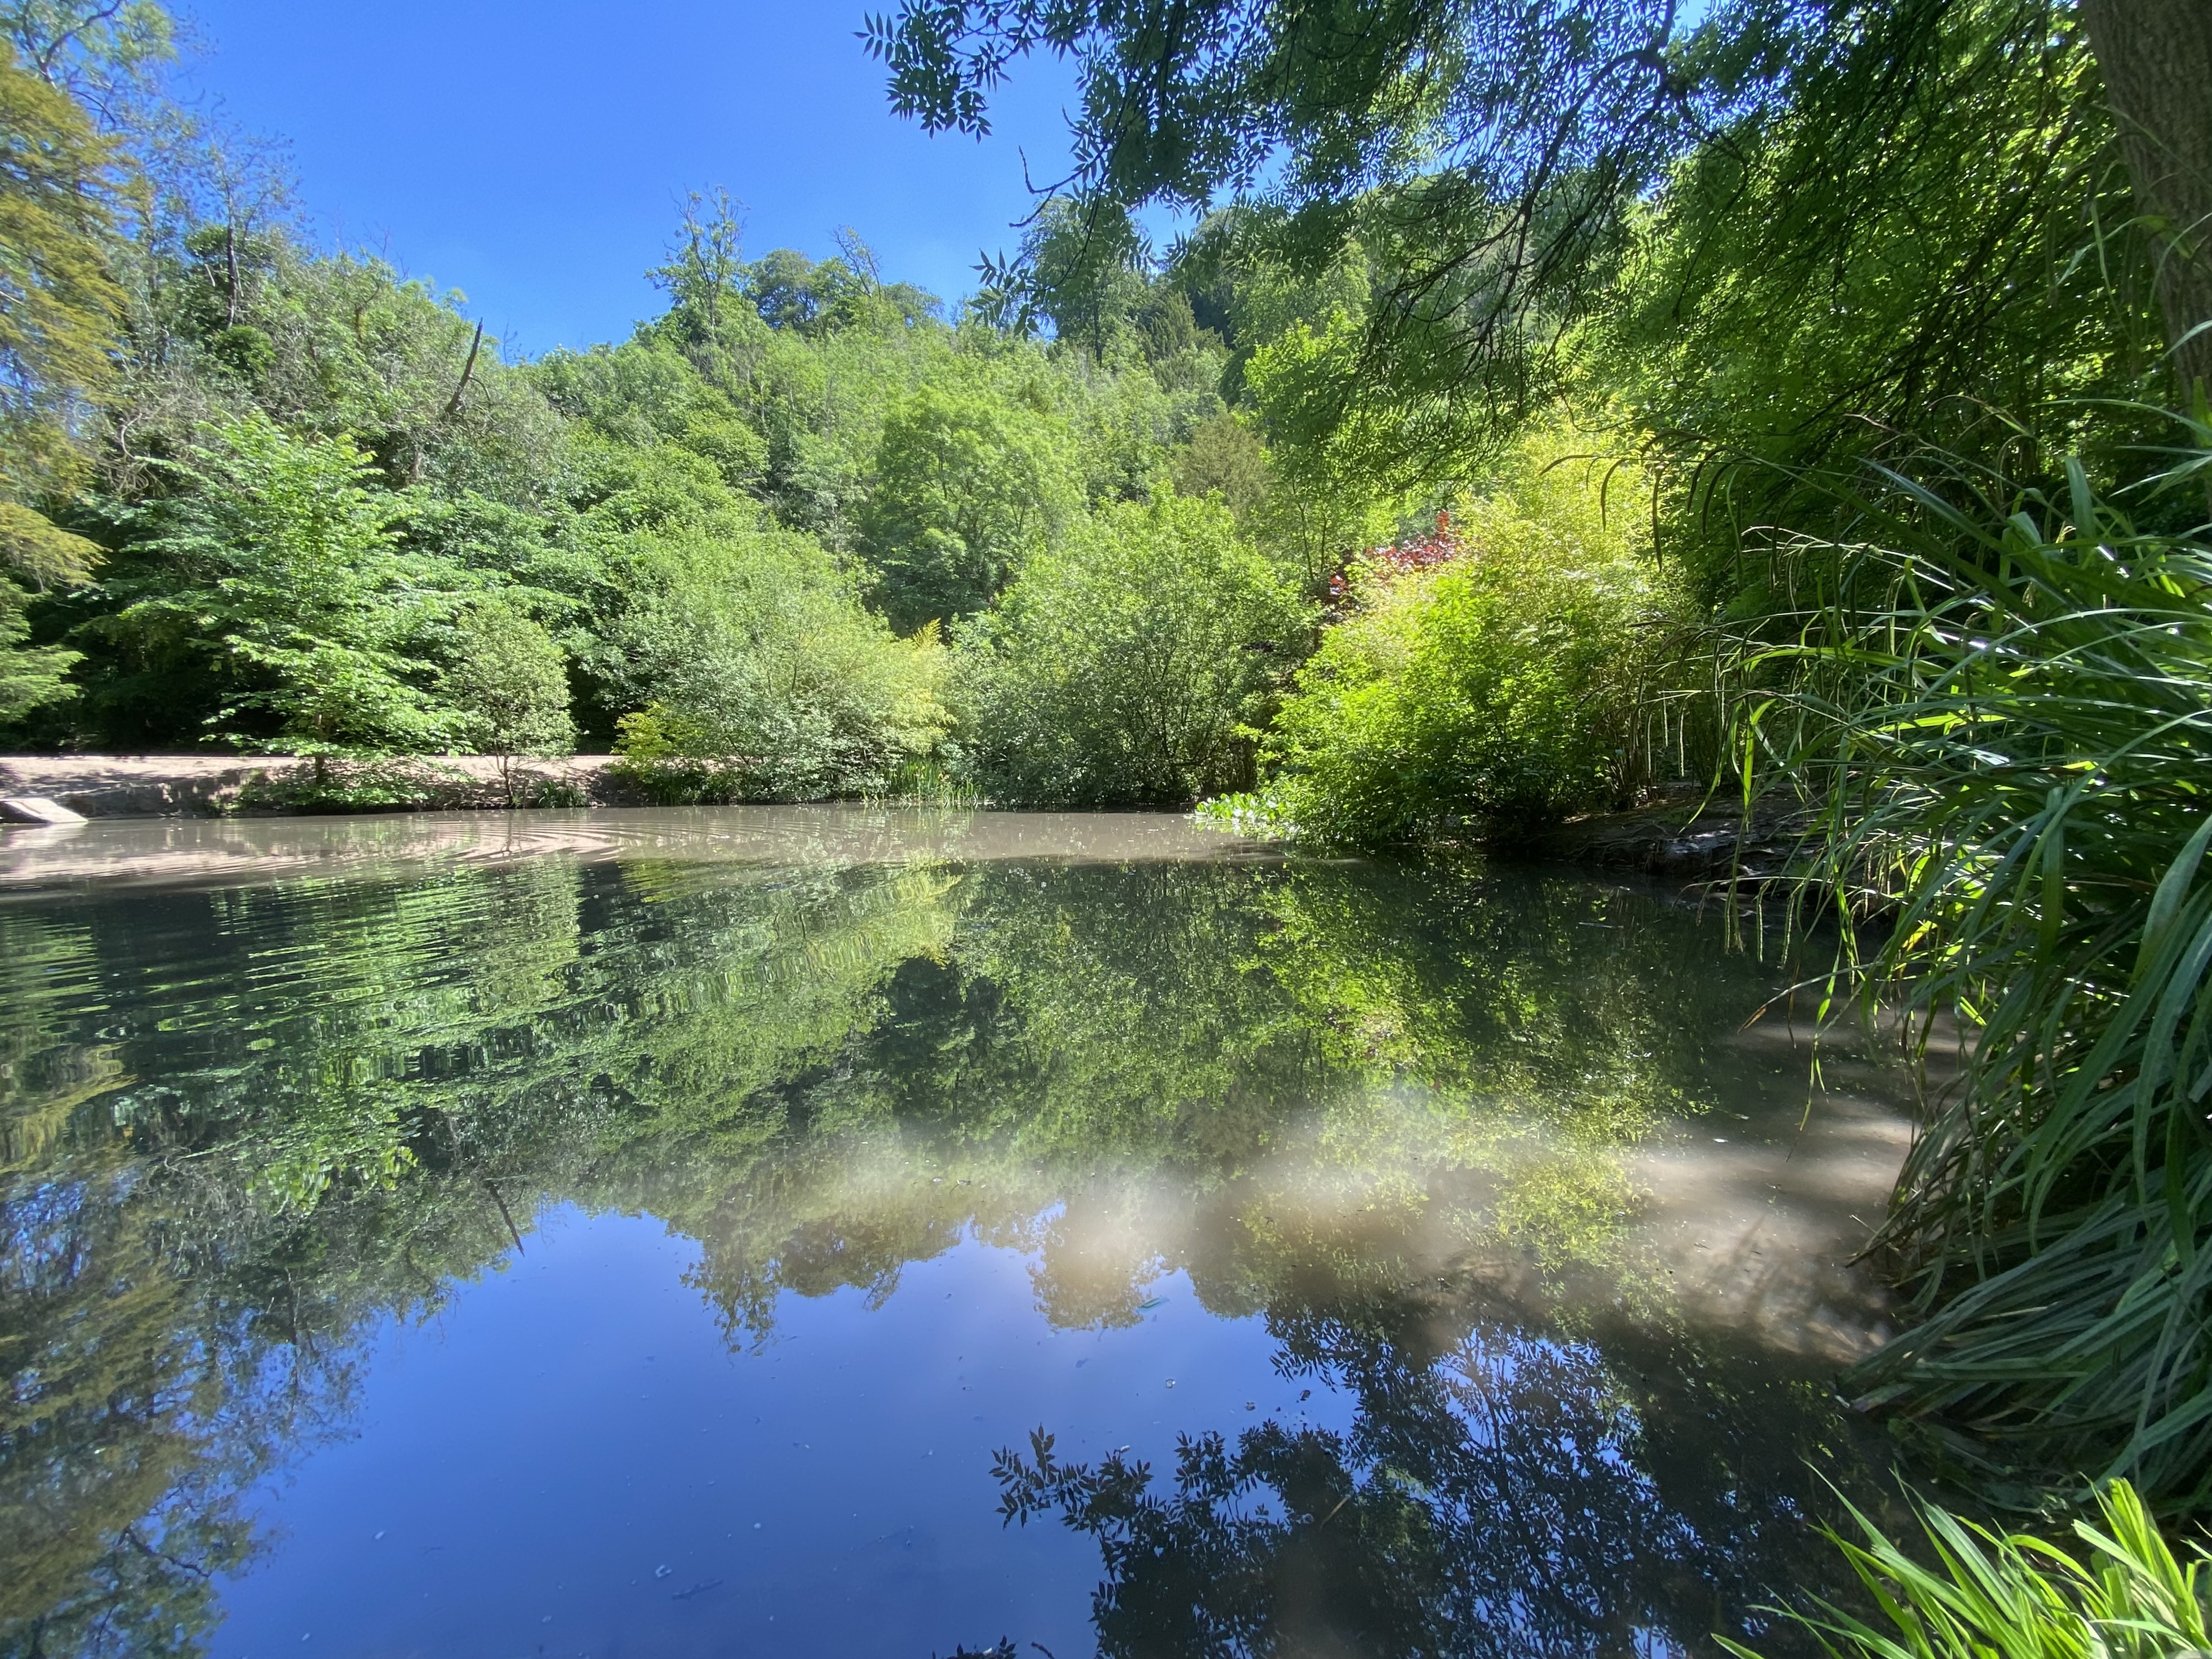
{"points": [[531, 153]]}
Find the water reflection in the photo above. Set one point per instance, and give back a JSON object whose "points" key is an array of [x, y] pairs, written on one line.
{"points": [[1500, 1492], [1488, 1153]]}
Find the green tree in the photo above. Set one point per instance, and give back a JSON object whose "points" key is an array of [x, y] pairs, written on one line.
{"points": [[1081, 269], [817, 297], [509, 678], [1507, 152], [1132, 664], [754, 672], [58, 308], [967, 485], [59, 303], [1224, 457], [275, 575], [38, 557]]}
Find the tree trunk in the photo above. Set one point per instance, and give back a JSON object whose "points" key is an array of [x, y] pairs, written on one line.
{"points": [[2155, 57]]}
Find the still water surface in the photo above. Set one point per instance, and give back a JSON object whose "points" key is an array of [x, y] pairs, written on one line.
{"points": [[827, 1231]]}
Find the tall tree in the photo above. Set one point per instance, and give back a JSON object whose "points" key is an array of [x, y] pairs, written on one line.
{"points": [[2156, 58], [1501, 156], [59, 304], [58, 312], [275, 575]]}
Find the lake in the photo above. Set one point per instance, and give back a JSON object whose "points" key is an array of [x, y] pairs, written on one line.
{"points": [[844, 1231]]}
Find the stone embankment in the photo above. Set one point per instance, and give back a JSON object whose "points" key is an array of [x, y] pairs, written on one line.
{"points": [[186, 786]]}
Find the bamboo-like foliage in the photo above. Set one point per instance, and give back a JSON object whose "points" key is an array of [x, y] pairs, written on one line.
{"points": [[2020, 1597], [2003, 703]]}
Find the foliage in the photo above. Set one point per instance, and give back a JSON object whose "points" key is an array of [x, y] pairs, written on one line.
{"points": [[1502, 145], [230, 319], [1084, 274], [1224, 457], [823, 296], [277, 576], [1506, 683], [1132, 664], [1848, 278], [966, 488], [2003, 713], [508, 677], [59, 303], [792, 441], [30, 676], [32, 549], [763, 679], [2018, 1594], [59, 309], [708, 519], [1500, 169], [380, 783]]}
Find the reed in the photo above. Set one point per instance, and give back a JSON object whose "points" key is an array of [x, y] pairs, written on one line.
{"points": [[1995, 1595], [2000, 700]]}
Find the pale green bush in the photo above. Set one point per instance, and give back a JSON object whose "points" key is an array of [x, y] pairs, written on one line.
{"points": [[1130, 665], [756, 674]]}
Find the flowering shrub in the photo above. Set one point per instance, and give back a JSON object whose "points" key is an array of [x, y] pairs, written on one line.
{"points": [[1408, 556], [1499, 687]]}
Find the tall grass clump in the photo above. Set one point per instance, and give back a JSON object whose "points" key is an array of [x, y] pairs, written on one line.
{"points": [[2003, 706], [2019, 1596]]}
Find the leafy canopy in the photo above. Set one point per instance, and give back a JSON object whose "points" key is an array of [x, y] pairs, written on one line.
{"points": [[279, 568], [1133, 663]]}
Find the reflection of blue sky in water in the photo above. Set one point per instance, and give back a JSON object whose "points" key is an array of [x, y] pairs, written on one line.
{"points": [[886, 1131], [572, 1424]]}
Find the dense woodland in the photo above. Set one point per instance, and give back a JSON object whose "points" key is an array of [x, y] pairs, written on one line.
{"points": [[1546, 409], [807, 532]]}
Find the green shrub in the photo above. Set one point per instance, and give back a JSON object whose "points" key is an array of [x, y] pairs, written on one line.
{"points": [[509, 678], [338, 785], [1130, 665], [1508, 684], [762, 678]]}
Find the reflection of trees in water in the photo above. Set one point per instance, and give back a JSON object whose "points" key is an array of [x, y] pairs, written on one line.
{"points": [[167, 1348], [1516, 1493], [341, 1087], [240, 1127]]}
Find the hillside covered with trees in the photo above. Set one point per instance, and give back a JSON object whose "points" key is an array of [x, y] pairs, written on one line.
{"points": [[807, 532]]}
